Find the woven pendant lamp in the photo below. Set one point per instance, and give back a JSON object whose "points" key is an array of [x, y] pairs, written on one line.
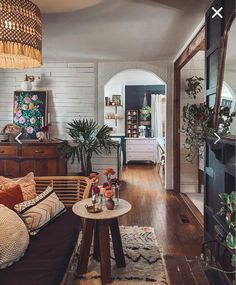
{"points": [[20, 34]]}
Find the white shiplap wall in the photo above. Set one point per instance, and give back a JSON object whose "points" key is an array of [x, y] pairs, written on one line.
{"points": [[71, 89], [72, 95]]}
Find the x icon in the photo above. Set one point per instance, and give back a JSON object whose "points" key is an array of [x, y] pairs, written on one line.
{"points": [[217, 12]]}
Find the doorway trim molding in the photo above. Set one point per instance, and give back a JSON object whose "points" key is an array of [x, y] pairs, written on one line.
{"points": [[197, 44], [164, 69]]}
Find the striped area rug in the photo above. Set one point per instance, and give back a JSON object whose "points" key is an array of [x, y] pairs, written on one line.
{"points": [[144, 264]]}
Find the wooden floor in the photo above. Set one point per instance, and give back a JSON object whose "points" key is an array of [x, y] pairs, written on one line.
{"points": [[178, 232]]}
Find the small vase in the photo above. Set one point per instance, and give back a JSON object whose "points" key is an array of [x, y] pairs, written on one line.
{"points": [[116, 193], [47, 136], [95, 200], [110, 204], [26, 86]]}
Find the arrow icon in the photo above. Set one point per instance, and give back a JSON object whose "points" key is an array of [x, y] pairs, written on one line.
{"points": [[17, 138], [218, 138]]}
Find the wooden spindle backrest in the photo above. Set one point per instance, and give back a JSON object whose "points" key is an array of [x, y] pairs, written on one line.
{"points": [[69, 189]]}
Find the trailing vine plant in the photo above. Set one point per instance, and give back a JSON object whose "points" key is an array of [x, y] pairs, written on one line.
{"points": [[197, 118]]}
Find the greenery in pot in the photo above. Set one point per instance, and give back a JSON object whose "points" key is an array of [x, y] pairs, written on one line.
{"points": [[145, 113], [196, 118], [194, 86], [87, 139], [228, 209]]}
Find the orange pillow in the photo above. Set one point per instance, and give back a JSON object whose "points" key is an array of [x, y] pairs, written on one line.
{"points": [[26, 183], [11, 196]]}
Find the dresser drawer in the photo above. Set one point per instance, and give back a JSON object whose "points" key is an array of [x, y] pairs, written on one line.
{"points": [[140, 156], [8, 151], [39, 151], [140, 148], [140, 142]]}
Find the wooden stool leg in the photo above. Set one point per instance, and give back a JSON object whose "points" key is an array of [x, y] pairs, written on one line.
{"points": [[85, 247], [96, 251], [104, 241], [117, 243]]}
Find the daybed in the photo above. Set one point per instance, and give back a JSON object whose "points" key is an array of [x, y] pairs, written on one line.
{"points": [[48, 255]]}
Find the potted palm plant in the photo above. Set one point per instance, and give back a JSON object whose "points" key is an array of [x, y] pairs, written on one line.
{"points": [[87, 138]]}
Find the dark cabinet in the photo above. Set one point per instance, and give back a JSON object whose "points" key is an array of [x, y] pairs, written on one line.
{"points": [[220, 158], [42, 158]]}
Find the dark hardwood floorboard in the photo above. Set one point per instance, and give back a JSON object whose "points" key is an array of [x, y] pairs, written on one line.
{"points": [[153, 206]]}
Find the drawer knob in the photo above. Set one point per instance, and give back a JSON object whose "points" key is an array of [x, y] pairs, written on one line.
{"points": [[2, 151], [39, 151]]}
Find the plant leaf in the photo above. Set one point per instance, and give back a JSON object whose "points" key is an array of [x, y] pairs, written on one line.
{"points": [[233, 260], [231, 241]]}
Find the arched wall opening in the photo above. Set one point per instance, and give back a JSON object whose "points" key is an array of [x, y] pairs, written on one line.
{"points": [[228, 97], [135, 76], [120, 84]]}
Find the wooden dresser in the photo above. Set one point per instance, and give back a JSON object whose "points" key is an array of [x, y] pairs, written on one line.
{"points": [[43, 158], [141, 149]]}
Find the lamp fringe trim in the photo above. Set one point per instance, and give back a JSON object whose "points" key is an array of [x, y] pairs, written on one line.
{"points": [[17, 55]]}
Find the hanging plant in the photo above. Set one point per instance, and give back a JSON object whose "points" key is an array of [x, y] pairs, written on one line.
{"points": [[196, 119], [194, 86], [145, 113]]}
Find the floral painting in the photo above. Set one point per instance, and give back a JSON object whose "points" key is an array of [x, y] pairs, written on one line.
{"points": [[30, 111]]}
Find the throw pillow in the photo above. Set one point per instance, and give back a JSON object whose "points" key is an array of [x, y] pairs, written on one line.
{"points": [[14, 237], [11, 196], [26, 183], [38, 212]]}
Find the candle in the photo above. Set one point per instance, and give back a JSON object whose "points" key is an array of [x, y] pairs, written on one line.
{"points": [[49, 118], [42, 122]]}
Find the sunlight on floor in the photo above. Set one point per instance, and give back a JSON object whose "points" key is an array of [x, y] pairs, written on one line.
{"points": [[198, 200]]}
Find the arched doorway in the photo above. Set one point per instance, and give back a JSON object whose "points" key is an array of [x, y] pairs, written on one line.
{"points": [[135, 88]]}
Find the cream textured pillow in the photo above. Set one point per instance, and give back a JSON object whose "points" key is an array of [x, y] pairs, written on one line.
{"points": [[38, 212], [14, 237], [26, 183]]}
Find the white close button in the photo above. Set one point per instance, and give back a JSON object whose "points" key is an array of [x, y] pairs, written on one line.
{"points": [[217, 12]]}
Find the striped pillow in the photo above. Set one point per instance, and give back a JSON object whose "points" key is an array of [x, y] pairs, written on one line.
{"points": [[38, 212]]}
